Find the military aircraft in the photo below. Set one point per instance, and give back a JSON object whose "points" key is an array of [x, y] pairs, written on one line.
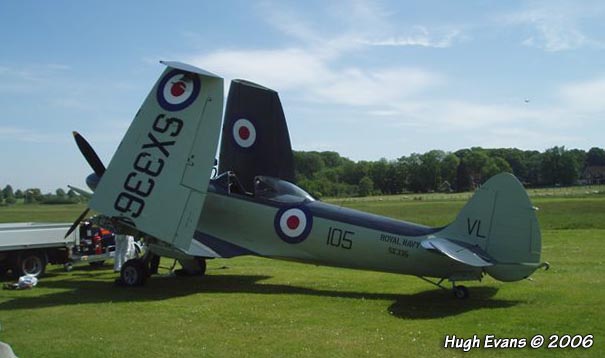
{"points": [[158, 182]]}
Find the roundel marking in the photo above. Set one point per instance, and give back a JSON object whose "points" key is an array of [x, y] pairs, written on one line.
{"points": [[293, 224], [177, 91], [244, 133]]}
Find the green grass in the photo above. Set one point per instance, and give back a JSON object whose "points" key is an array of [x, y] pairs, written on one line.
{"points": [[40, 213], [258, 307]]}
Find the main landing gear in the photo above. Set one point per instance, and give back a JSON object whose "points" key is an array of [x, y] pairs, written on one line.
{"points": [[460, 292], [135, 272]]}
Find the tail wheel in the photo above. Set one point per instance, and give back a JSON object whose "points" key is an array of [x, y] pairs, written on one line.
{"points": [[31, 263], [133, 273], [461, 292]]}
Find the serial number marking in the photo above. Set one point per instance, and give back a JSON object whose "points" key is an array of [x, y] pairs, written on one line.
{"points": [[398, 252], [148, 164]]}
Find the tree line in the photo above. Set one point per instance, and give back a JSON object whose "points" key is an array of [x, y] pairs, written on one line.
{"points": [[8, 196], [329, 174]]}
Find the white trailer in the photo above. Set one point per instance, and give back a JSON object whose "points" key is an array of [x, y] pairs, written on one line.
{"points": [[26, 248]]}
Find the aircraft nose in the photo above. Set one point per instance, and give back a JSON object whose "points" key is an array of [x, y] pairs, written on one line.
{"points": [[92, 181]]}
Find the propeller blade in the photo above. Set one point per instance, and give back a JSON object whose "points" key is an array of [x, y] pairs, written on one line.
{"points": [[89, 154], [76, 223]]}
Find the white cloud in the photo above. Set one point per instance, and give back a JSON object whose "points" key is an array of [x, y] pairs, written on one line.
{"points": [[316, 69], [519, 137], [312, 63], [420, 36], [318, 78], [277, 68], [585, 96], [28, 135], [469, 115], [33, 78], [377, 87], [557, 25]]}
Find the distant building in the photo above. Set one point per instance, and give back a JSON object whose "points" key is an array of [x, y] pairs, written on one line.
{"points": [[445, 187], [593, 175]]}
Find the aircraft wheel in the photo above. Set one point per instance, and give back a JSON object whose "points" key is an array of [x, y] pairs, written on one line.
{"points": [[192, 267], [202, 266], [133, 273], [461, 292]]}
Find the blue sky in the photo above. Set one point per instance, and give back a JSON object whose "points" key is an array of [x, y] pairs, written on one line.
{"points": [[368, 79]]}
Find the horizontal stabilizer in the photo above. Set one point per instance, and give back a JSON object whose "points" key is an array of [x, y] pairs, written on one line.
{"points": [[456, 252]]}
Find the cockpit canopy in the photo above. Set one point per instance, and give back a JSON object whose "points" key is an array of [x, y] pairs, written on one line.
{"points": [[275, 189], [265, 187]]}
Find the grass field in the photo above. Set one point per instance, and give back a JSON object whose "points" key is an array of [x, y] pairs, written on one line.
{"points": [[257, 307]]}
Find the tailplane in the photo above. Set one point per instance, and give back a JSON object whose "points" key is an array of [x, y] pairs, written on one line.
{"points": [[499, 229]]}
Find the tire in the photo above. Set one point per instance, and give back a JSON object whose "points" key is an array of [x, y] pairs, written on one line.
{"points": [[133, 273], [202, 266], [30, 263], [461, 292], [192, 267]]}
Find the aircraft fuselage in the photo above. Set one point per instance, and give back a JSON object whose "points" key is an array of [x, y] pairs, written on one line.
{"points": [[234, 225]]}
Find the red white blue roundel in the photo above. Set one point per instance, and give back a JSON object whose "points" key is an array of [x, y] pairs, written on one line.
{"points": [[244, 133], [178, 90], [293, 224]]}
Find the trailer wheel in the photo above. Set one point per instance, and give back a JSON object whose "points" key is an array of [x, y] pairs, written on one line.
{"points": [[133, 273], [30, 263]]}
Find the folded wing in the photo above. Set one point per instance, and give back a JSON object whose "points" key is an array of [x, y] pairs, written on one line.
{"points": [[157, 180]]}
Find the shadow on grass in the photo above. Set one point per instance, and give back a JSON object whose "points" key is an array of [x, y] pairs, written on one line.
{"points": [[437, 303], [434, 303]]}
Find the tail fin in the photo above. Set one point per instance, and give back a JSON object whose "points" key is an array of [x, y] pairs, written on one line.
{"points": [[501, 221], [255, 138], [158, 177]]}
